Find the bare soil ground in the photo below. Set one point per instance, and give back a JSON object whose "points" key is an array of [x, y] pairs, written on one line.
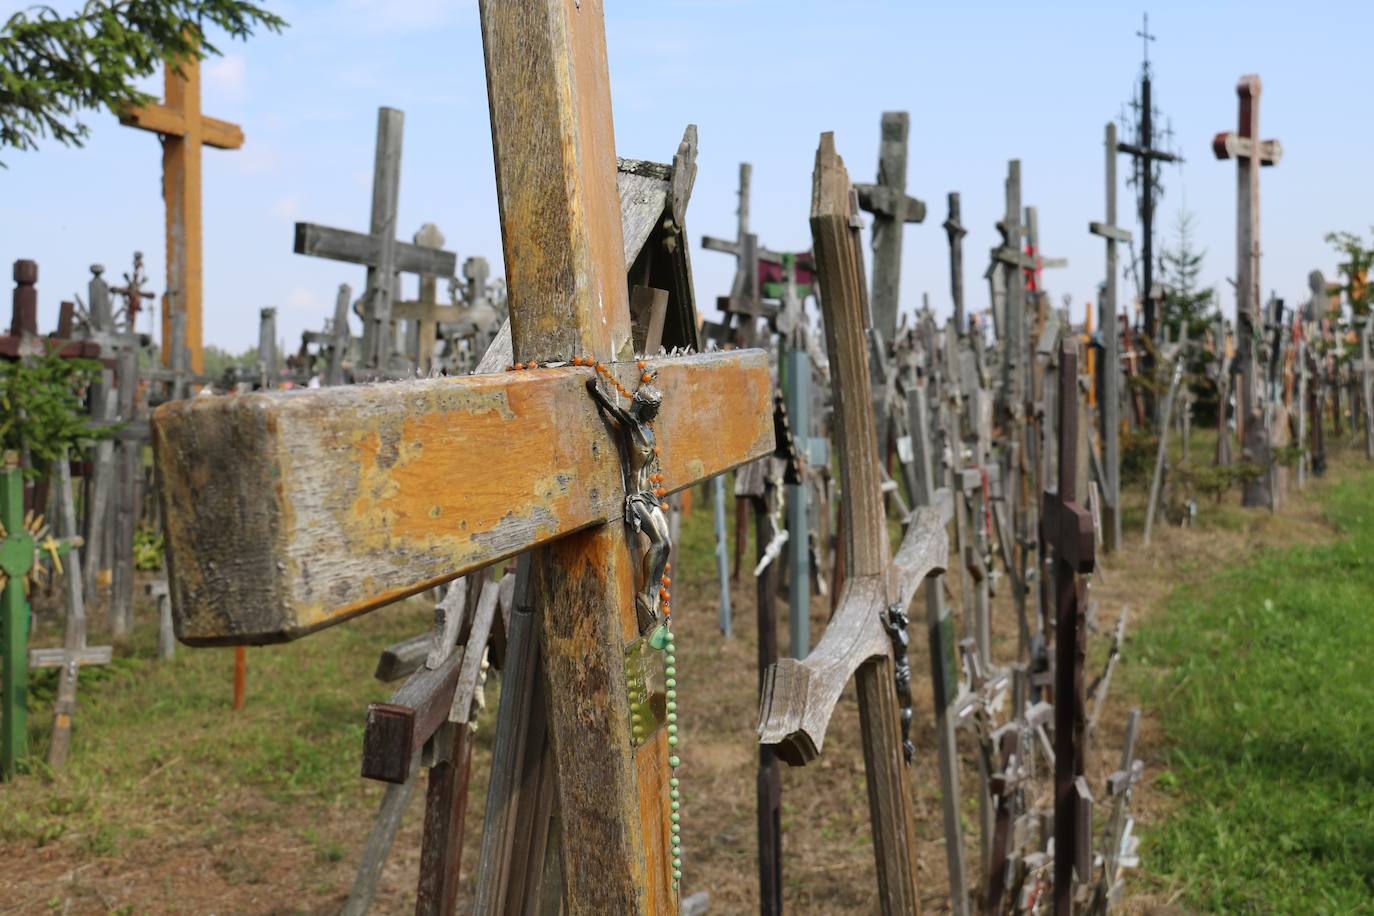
{"points": [[173, 804]]}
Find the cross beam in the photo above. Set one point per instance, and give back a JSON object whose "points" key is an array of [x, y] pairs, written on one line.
{"points": [[342, 485], [184, 131]]}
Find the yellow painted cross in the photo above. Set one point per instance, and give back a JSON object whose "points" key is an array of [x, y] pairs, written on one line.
{"points": [[183, 131]]}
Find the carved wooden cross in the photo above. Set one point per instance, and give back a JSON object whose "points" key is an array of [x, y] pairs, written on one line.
{"points": [[892, 208], [183, 131], [799, 696], [745, 299], [1244, 146], [379, 250], [315, 506], [1068, 529]]}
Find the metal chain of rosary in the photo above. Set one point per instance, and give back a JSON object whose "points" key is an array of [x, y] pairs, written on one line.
{"points": [[662, 637]]}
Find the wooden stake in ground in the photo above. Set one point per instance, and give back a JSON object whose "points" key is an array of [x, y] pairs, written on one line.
{"points": [[74, 652], [1250, 154], [1109, 405], [183, 131], [1068, 529], [363, 476], [799, 696]]}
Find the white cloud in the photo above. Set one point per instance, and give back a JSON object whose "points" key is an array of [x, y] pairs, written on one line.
{"points": [[287, 208], [305, 303], [226, 77]]}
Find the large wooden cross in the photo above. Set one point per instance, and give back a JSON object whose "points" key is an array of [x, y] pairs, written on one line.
{"points": [[183, 131], [1250, 153], [315, 506], [956, 232], [799, 696], [892, 208], [379, 250]]}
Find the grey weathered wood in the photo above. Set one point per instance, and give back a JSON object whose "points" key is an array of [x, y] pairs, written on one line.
{"points": [[269, 368], [1109, 367], [400, 659], [166, 634], [360, 248], [799, 696], [1162, 453], [127, 466], [956, 232], [941, 666], [892, 208], [340, 338], [74, 652], [1250, 154], [379, 841]]}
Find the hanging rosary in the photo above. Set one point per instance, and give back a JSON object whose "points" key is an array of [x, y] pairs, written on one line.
{"points": [[645, 512]]}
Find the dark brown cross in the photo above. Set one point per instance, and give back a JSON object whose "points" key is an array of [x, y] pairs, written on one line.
{"points": [[23, 339], [800, 696], [315, 506], [1068, 530]]}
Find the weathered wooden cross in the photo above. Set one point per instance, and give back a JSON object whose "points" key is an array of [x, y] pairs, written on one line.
{"points": [[183, 131], [799, 696], [892, 209], [1109, 410], [1068, 529], [379, 250], [1250, 153], [315, 506]]}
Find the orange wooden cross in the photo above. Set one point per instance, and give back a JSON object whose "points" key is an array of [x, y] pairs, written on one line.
{"points": [[183, 131]]}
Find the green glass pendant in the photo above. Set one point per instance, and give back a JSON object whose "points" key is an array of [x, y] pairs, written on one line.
{"points": [[660, 637]]}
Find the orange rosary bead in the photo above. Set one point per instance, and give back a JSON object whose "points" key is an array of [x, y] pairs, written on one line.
{"points": [[666, 581]]}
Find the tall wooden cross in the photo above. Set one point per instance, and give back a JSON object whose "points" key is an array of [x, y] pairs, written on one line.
{"points": [[183, 130], [745, 299], [892, 208], [384, 256], [379, 492], [800, 696], [1068, 529], [956, 232], [1109, 411], [1250, 153]]}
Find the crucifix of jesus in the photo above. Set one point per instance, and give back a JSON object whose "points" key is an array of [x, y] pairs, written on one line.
{"points": [[183, 130], [382, 491]]}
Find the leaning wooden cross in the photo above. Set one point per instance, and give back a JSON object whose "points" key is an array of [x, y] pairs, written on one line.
{"points": [[315, 506], [799, 696]]}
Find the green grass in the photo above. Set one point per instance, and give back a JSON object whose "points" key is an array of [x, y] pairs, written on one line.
{"points": [[1261, 678]]}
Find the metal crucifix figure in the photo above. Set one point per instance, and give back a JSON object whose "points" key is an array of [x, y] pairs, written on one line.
{"points": [[643, 505]]}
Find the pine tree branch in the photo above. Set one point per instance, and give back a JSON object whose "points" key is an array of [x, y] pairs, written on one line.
{"points": [[52, 67]]}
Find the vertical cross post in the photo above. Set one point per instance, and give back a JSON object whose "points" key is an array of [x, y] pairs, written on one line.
{"points": [[554, 148], [1068, 529], [16, 559], [1109, 410], [956, 232], [892, 208], [184, 131], [1250, 153], [381, 276]]}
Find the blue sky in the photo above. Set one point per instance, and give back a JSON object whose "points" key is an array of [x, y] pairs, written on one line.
{"points": [[761, 79]]}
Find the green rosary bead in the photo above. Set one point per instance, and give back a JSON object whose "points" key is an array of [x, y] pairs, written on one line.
{"points": [[677, 863], [670, 659], [672, 729], [673, 782], [672, 740], [677, 874], [676, 817], [673, 761], [670, 683], [675, 795], [670, 671], [677, 805], [672, 706]]}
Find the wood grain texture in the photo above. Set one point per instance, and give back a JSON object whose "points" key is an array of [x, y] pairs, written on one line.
{"points": [[798, 697], [554, 146], [855, 636], [361, 248], [289, 511]]}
